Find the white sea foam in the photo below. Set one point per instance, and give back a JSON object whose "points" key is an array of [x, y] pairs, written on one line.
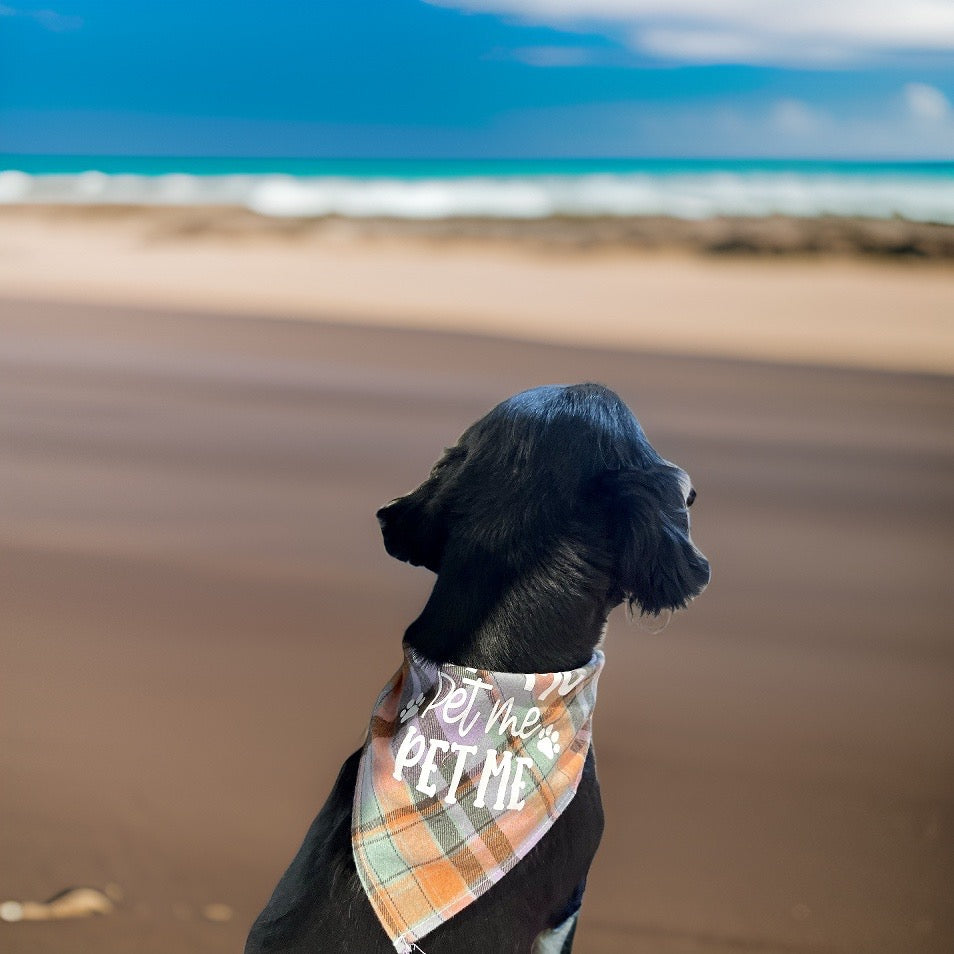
{"points": [[697, 195]]}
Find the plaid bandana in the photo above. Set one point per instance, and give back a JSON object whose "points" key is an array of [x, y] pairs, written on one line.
{"points": [[462, 773]]}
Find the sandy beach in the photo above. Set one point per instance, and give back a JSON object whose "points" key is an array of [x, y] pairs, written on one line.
{"points": [[197, 612], [554, 281]]}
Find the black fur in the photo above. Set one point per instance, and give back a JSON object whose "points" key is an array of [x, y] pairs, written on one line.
{"points": [[548, 512]]}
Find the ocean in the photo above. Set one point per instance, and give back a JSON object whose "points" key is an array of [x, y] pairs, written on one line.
{"points": [[512, 188]]}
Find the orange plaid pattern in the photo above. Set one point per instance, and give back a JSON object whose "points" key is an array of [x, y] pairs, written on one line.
{"points": [[463, 771]]}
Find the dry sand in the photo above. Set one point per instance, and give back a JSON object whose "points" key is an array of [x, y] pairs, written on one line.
{"points": [[843, 311], [196, 611]]}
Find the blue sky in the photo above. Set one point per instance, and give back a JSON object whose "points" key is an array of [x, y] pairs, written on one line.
{"points": [[476, 78]]}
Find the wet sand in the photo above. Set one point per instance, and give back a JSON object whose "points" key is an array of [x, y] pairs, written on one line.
{"points": [[196, 614]]}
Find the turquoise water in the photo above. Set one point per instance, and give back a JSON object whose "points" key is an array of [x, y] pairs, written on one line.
{"points": [[453, 168], [503, 188]]}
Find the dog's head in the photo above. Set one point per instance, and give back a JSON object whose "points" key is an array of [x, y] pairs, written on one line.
{"points": [[558, 472]]}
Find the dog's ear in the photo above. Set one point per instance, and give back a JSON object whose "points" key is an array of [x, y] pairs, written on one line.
{"points": [[657, 566], [414, 527]]}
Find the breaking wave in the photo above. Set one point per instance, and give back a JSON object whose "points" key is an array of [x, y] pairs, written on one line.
{"points": [[920, 198]]}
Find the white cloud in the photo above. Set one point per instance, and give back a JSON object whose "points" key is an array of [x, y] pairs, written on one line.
{"points": [[48, 19], [57, 22], [792, 117], [882, 128], [749, 31], [926, 102], [553, 55]]}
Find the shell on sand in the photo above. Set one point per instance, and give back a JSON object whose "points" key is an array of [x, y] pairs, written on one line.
{"points": [[217, 912], [72, 903]]}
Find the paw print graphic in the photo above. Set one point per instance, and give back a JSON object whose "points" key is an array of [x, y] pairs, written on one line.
{"points": [[413, 707], [548, 742]]}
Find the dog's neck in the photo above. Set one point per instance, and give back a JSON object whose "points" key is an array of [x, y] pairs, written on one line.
{"points": [[546, 616]]}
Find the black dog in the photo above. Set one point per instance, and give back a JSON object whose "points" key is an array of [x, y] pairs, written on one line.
{"points": [[548, 512]]}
